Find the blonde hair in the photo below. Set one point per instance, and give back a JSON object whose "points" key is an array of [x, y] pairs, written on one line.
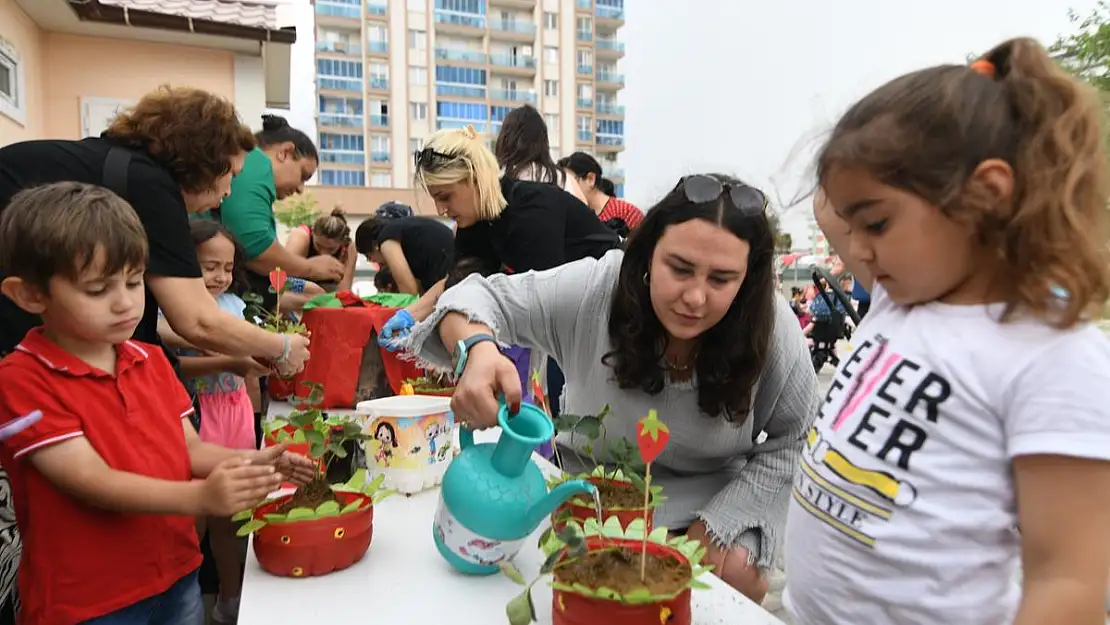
{"points": [[472, 161], [333, 226]]}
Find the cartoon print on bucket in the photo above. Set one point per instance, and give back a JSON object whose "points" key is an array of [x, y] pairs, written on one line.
{"points": [[411, 440]]}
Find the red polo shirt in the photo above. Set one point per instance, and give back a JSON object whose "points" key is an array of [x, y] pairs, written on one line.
{"points": [[80, 562]]}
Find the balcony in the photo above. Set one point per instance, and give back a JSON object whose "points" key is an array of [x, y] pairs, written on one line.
{"points": [[339, 47], [585, 103], [613, 173], [461, 91], [513, 30], [340, 84], [584, 136], [608, 108], [380, 156], [379, 121], [342, 157], [377, 83], [610, 78], [584, 5], [513, 64], [610, 14], [337, 13], [450, 122], [584, 35], [610, 142], [516, 4], [339, 120], [608, 48], [463, 23], [465, 56], [585, 70], [377, 9], [501, 95], [378, 47]]}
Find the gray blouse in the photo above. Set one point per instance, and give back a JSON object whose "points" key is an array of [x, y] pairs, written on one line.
{"points": [[724, 473]]}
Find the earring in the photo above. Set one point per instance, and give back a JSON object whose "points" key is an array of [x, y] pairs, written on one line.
{"points": [[647, 278]]}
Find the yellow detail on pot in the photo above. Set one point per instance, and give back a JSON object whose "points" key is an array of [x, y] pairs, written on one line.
{"points": [[664, 614], [285, 540], [297, 571], [562, 606], [407, 389], [339, 531]]}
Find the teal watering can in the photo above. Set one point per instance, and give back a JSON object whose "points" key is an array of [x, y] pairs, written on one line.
{"points": [[494, 496]]}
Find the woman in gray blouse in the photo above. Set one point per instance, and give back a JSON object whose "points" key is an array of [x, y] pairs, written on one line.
{"points": [[687, 322]]}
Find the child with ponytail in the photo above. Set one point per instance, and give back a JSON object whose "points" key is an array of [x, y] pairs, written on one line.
{"points": [[968, 431]]}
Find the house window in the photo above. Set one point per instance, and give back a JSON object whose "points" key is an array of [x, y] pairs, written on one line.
{"points": [[418, 75], [550, 20], [97, 113], [551, 88], [13, 104], [551, 55], [418, 40], [418, 110], [381, 180], [552, 121], [416, 5], [416, 144]]}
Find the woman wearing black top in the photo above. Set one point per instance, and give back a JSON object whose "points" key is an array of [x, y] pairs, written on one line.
{"points": [[504, 226], [417, 250]]}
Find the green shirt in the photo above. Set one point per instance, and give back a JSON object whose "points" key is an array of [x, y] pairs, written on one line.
{"points": [[249, 211]]}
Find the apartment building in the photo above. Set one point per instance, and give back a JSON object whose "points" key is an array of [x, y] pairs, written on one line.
{"points": [[391, 72]]}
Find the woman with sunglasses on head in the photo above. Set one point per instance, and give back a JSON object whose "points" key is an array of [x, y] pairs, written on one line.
{"points": [[502, 225], [686, 320]]}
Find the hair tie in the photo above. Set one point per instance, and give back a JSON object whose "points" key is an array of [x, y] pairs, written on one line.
{"points": [[985, 67], [469, 132]]}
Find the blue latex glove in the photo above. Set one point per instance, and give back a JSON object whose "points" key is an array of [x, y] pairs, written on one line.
{"points": [[395, 330]]}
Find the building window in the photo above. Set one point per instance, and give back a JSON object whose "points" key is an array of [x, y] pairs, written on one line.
{"points": [[417, 5], [342, 178], [585, 25], [418, 75], [550, 20], [416, 144], [96, 113], [418, 110], [460, 75], [474, 7], [551, 55], [470, 111], [418, 40], [551, 88], [379, 76], [381, 180], [552, 121], [336, 141]]}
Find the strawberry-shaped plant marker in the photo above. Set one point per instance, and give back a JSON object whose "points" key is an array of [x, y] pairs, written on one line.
{"points": [[277, 281], [651, 436]]}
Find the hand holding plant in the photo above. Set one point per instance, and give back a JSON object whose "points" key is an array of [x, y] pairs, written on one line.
{"points": [[236, 484], [293, 467]]}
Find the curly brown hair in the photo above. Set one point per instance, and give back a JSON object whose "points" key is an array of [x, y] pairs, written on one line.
{"points": [[192, 132], [928, 131]]}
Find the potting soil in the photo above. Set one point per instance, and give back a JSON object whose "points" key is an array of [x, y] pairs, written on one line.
{"points": [[618, 495], [619, 569], [310, 495]]}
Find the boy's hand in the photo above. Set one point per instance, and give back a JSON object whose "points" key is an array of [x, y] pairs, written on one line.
{"points": [[294, 467], [247, 367], [237, 484]]}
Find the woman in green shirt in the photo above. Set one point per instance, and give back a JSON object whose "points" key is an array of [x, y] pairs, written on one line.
{"points": [[279, 167]]}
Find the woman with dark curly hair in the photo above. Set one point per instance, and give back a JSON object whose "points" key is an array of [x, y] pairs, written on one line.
{"points": [[686, 321], [172, 154]]}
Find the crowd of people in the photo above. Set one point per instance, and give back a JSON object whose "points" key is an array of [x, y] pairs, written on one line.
{"points": [[962, 436]]}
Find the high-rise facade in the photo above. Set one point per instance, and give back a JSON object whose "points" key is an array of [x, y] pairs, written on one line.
{"points": [[391, 72]]}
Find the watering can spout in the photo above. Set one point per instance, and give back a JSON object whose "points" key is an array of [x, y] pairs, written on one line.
{"points": [[543, 508]]}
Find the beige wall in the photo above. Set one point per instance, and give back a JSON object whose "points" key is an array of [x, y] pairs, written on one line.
{"points": [[25, 37], [59, 69], [364, 200]]}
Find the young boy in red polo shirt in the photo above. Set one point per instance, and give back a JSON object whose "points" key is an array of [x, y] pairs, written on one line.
{"points": [[103, 482]]}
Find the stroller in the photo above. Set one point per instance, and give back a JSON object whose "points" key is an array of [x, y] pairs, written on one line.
{"points": [[826, 332]]}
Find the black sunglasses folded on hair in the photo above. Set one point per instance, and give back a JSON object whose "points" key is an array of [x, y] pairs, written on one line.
{"points": [[429, 158], [701, 189]]}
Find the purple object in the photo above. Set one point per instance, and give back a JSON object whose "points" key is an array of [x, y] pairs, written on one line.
{"points": [[521, 357], [19, 424]]}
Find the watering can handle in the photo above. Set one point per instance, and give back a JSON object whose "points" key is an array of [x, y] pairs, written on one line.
{"points": [[466, 435]]}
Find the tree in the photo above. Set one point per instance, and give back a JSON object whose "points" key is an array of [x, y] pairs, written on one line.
{"points": [[297, 210], [1086, 53], [783, 241]]}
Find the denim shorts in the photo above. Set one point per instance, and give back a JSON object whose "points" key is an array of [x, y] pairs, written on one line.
{"points": [[181, 604]]}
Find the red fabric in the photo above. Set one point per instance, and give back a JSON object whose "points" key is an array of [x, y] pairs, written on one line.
{"points": [[625, 211], [80, 562], [339, 336]]}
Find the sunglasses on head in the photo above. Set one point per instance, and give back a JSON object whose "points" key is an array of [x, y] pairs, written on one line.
{"points": [[431, 159], [701, 189]]}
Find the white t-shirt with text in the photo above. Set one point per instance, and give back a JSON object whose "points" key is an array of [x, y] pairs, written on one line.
{"points": [[904, 507]]}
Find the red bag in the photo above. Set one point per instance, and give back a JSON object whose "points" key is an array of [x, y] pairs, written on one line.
{"points": [[345, 356]]}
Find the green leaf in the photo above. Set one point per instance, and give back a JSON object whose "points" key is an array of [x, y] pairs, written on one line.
{"points": [[382, 494], [605, 592], [509, 570], [373, 486], [357, 481], [635, 529], [550, 561], [300, 514], [243, 515], [275, 518], [638, 595], [520, 610], [328, 508], [250, 527], [658, 535], [545, 536], [351, 507], [283, 436], [316, 450], [590, 427], [338, 451], [698, 585], [611, 528], [312, 436], [300, 436], [351, 429]]}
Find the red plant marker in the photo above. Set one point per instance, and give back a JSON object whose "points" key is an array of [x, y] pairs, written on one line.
{"points": [[277, 281], [651, 436]]}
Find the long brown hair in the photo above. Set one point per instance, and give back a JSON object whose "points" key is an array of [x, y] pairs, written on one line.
{"points": [[928, 131]]}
